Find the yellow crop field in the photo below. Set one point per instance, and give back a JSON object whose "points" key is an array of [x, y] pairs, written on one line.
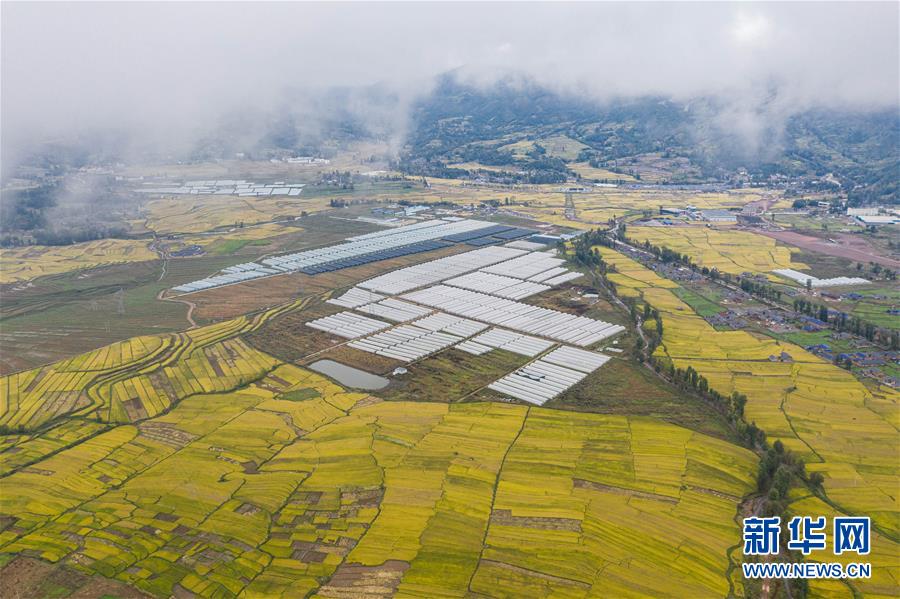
{"points": [[596, 528], [195, 463], [598, 206], [840, 427], [475, 166], [247, 233], [557, 146], [25, 263], [19, 450], [727, 250], [590, 172], [885, 569], [562, 146], [209, 368], [31, 398], [196, 214], [292, 486]]}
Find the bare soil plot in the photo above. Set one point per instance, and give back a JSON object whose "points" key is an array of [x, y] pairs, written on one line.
{"points": [[852, 247], [288, 338]]}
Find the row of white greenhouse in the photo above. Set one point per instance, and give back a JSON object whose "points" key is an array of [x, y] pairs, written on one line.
{"points": [[577, 330]]}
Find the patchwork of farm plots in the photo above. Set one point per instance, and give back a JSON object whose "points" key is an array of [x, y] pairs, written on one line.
{"points": [[22, 264], [840, 427], [598, 206], [730, 251], [292, 486]]}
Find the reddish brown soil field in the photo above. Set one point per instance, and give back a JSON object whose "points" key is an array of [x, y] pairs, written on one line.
{"points": [[848, 246]]}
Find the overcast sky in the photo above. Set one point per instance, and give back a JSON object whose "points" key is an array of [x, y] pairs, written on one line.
{"points": [[167, 68]]}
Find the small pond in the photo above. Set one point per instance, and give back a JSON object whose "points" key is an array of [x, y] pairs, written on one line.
{"points": [[350, 376]]}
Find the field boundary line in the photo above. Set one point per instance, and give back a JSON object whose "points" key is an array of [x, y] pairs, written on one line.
{"points": [[487, 527]]}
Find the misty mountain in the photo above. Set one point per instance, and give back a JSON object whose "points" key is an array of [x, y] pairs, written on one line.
{"points": [[460, 123]]}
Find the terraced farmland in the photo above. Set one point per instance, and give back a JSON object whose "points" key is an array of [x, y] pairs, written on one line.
{"points": [[138, 378], [840, 427], [23, 264]]}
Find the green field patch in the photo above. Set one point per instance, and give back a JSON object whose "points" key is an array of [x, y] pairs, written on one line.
{"points": [[231, 246], [625, 387], [701, 305], [300, 395]]}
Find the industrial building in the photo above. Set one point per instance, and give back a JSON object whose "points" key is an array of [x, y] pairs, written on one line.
{"points": [[878, 219], [718, 216]]}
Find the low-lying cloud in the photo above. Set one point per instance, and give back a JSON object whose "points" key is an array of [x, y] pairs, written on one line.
{"points": [[168, 73]]}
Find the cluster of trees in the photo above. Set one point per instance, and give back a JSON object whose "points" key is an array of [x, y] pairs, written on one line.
{"points": [[732, 406], [584, 253], [587, 256], [546, 170], [811, 309], [841, 321], [779, 468], [26, 209], [879, 270], [596, 162], [339, 179], [835, 208], [803, 203], [666, 255], [759, 289], [67, 237], [651, 313]]}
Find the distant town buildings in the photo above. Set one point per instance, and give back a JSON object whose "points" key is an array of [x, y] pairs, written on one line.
{"points": [[307, 160], [238, 187]]}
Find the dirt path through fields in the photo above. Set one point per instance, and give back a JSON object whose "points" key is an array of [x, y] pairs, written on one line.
{"points": [[190, 305]]}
